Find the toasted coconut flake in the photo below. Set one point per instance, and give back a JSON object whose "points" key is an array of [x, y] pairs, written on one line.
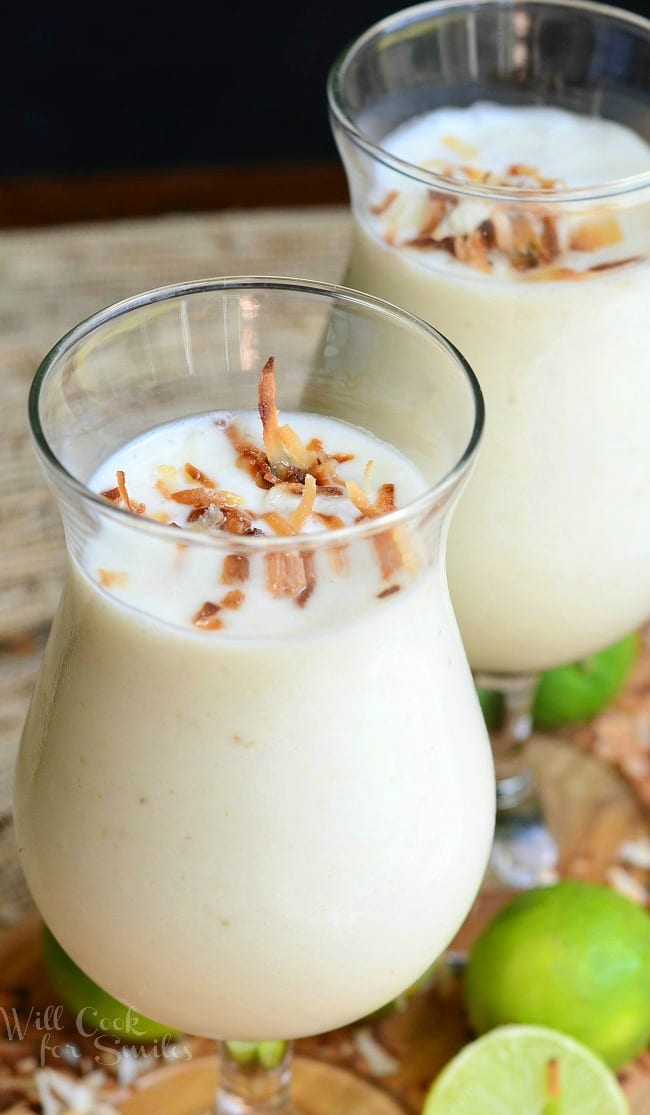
{"points": [[385, 501], [294, 487], [459, 147], [309, 566], [111, 578], [390, 591], [599, 232], [295, 476], [235, 569], [388, 553], [298, 452], [268, 413], [615, 263], [378, 208], [324, 474], [159, 517], [330, 522], [367, 473], [337, 555], [121, 484], [204, 497], [232, 600], [253, 460], [278, 523], [285, 574], [163, 487], [207, 617], [475, 250], [112, 495], [195, 473], [306, 506], [436, 211], [360, 500], [338, 559], [207, 518], [167, 473], [329, 489], [134, 508], [530, 242], [472, 231], [531, 173], [238, 521]]}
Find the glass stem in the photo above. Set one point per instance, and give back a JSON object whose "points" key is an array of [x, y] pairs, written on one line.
{"points": [[515, 782], [251, 1083]]}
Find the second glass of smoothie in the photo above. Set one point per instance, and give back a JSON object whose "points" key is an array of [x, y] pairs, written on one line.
{"points": [[499, 170]]}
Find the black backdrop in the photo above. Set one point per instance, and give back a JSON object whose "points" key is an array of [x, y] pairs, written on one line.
{"points": [[188, 84]]}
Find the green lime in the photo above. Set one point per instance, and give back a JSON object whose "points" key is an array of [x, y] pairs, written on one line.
{"points": [[525, 1070], [268, 1054], [571, 694], [94, 1008], [575, 957], [491, 703]]}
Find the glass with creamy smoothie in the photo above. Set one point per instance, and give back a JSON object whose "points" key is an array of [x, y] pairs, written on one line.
{"points": [[498, 159], [254, 795]]}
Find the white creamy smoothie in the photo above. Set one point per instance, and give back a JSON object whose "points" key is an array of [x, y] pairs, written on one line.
{"points": [[549, 550], [255, 796]]}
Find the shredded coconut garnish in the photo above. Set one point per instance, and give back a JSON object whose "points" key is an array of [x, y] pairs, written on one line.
{"points": [[120, 496], [235, 569], [195, 473], [476, 232], [284, 463], [207, 617], [268, 411]]}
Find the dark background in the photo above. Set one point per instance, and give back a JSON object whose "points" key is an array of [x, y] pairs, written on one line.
{"points": [[133, 108], [95, 87]]}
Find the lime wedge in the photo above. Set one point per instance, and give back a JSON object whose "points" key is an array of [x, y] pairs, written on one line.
{"points": [[517, 1069]]}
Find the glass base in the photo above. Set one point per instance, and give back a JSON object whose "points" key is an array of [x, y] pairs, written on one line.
{"points": [[295, 1086], [524, 852], [317, 1088]]}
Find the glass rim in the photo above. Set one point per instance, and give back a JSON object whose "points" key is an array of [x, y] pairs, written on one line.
{"points": [[444, 183], [422, 504]]}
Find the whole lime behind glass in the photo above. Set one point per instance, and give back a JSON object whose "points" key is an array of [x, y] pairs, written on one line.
{"points": [[574, 957], [96, 1009]]}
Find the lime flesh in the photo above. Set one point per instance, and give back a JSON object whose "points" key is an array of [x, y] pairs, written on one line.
{"points": [[525, 1070]]}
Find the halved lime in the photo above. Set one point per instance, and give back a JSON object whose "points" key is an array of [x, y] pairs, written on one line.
{"points": [[525, 1069]]}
